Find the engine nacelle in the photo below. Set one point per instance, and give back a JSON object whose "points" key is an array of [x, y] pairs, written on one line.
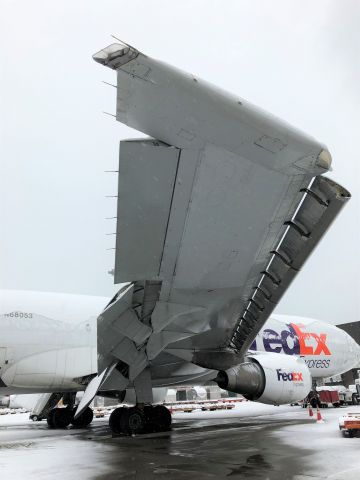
{"points": [[269, 378]]}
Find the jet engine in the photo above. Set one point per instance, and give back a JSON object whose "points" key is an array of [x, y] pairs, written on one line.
{"points": [[270, 378]]}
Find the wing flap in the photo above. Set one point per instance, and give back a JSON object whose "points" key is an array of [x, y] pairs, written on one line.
{"points": [[147, 172]]}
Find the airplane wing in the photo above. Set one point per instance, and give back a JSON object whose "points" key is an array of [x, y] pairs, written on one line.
{"points": [[218, 209]]}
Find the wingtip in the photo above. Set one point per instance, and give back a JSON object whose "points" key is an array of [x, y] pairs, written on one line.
{"points": [[115, 55], [324, 159]]}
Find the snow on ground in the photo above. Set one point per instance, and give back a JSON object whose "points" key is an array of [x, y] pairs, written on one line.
{"points": [[242, 409], [30, 450], [14, 419], [325, 452], [284, 438], [329, 454]]}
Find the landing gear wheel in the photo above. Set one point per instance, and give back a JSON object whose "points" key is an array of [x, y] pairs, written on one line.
{"points": [[50, 420], [84, 419], [114, 420], [59, 418], [159, 418], [132, 421]]}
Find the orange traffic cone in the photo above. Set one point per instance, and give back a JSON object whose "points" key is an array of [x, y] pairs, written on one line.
{"points": [[311, 413], [319, 418]]}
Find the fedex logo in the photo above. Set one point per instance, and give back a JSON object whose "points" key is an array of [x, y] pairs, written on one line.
{"points": [[294, 341], [289, 377]]}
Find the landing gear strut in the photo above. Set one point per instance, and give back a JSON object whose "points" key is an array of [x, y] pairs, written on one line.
{"points": [[135, 420]]}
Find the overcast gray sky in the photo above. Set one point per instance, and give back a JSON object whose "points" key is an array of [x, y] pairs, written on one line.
{"points": [[298, 60]]}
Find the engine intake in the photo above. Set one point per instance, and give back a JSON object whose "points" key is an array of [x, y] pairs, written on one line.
{"points": [[270, 378]]}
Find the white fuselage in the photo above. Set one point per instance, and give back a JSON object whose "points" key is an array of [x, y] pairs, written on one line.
{"points": [[48, 341]]}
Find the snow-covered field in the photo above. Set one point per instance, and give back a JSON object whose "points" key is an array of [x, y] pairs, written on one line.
{"points": [[242, 409], [329, 454], [250, 441]]}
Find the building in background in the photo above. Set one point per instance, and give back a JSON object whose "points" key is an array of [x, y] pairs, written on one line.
{"points": [[353, 329], [350, 377]]}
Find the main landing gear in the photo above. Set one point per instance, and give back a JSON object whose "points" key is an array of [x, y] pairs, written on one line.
{"points": [[63, 417], [140, 419]]}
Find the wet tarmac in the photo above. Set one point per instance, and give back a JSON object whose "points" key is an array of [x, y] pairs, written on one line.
{"points": [[252, 442]]}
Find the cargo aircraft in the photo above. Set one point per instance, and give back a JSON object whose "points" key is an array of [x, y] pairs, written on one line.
{"points": [[218, 208]]}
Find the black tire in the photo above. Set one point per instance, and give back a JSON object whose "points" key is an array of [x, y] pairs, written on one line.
{"points": [[50, 419], [160, 418], [152, 419], [114, 420], [132, 421], [59, 418], [84, 419], [35, 418]]}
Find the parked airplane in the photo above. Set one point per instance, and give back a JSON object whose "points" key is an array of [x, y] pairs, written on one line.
{"points": [[217, 212], [49, 344]]}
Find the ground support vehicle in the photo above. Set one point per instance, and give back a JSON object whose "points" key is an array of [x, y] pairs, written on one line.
{"points": [[329, 397], [349, 425]]}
